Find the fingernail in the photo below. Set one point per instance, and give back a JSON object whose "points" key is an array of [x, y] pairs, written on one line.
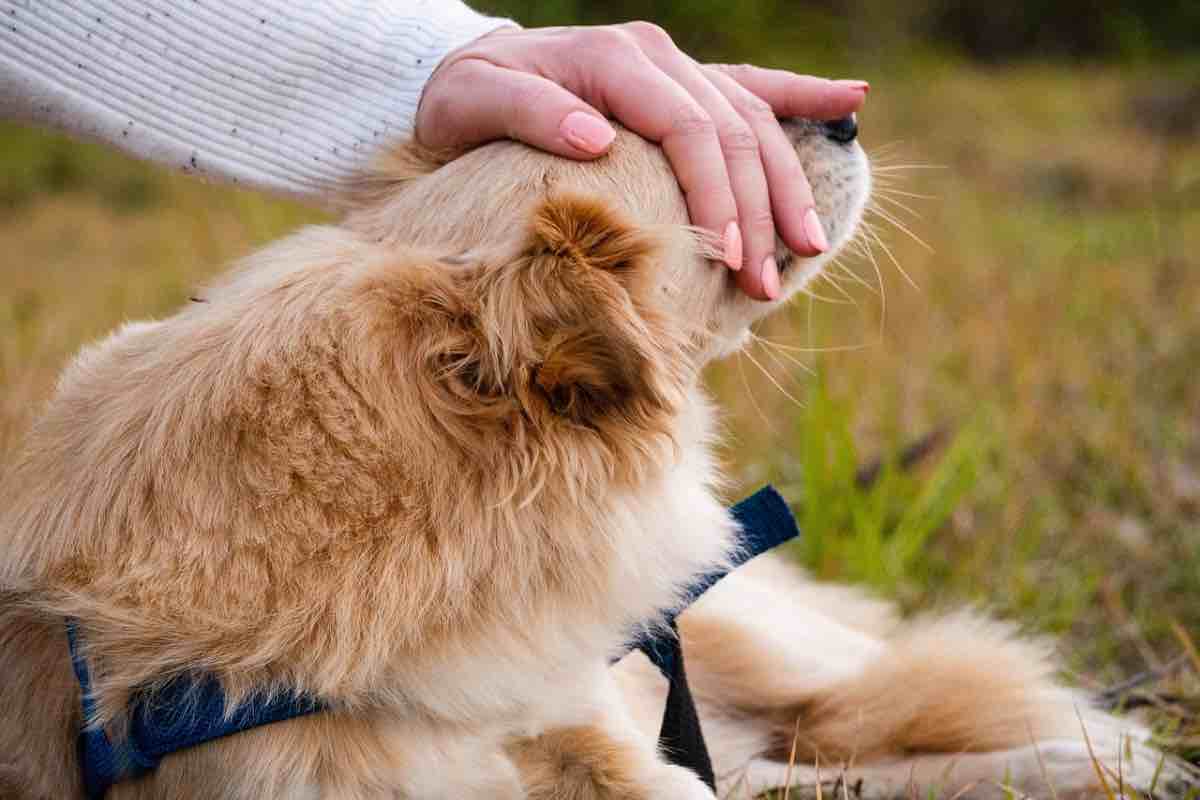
{"points": [[814, 231], [587, 132], [861, 86], [733, 245], [770, 278]]}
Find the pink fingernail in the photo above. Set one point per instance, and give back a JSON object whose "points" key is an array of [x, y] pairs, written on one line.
{"points": [[733, 245], [770, 278], [861, 86], [587, 132], [814, 231]]}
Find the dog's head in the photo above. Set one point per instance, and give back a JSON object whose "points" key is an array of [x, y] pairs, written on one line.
{"points": [[476, 204], [575, 297], [572, 304]]}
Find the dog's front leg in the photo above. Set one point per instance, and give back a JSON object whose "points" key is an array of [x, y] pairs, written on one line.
{"points": [[600, 755]]}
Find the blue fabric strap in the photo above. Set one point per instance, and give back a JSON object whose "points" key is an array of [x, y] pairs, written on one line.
{"points": [[765, 521], [187, 712], [182, 714]]}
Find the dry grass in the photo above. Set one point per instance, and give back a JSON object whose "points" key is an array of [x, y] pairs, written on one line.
{"points": [[1058, 319]]}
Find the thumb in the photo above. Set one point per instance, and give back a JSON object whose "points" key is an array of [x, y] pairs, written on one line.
{"points": [[473, 101]]}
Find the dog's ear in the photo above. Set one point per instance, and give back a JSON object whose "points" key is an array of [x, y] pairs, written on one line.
{"points": [[595, 352], [583, 376], [565, 326], [509, 348], [585, 234]]}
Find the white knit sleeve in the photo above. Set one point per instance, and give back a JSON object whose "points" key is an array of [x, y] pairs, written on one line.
{"points": [[290, 96]]}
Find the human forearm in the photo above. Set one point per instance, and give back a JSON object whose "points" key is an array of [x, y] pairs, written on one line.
{"points": [[290, 96]]}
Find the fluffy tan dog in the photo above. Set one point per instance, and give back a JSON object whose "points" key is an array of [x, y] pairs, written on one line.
{"points": [[433, 466]]}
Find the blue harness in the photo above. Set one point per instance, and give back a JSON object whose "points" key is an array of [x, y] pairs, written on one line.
{"points": [[186, 712]]}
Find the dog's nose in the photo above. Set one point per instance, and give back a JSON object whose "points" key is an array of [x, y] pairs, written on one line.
{"points": [[842, 131]]}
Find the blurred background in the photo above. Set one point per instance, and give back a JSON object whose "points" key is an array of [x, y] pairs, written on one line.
{"points": [[1029, 307]]}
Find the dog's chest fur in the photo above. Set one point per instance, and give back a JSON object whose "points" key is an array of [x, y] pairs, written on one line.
{"points": [[662, 535]]}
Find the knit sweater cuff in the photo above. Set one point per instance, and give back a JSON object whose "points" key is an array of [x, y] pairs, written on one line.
{"points": [[289, 96]]}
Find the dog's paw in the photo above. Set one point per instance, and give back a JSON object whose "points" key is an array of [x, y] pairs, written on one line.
{"points": [[587, 763]]}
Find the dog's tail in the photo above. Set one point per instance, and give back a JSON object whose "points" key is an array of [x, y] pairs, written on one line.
{"points": [[826, 678]]}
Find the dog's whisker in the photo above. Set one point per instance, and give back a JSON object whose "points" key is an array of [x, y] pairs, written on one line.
{"points": [[883, 197], [844, 269], [834, 279], [863, 244], [845, 348], [884, 150], [808, 292], [831, 278], [750, 394], [769, 343], [779, 353], [771, 378], [882, 214], [889, 190], [780, 365], [887, 168], [870, 231]]}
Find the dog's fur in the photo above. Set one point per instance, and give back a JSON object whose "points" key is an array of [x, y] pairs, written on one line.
{"points": [[434, 466]]}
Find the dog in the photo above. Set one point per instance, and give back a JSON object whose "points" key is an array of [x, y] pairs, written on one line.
{"points": [[434, 466]]}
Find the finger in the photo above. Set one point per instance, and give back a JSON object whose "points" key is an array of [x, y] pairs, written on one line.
{"points": [[792, 202], [619, 78], [791, 95], [740, 147], [475, 101]]}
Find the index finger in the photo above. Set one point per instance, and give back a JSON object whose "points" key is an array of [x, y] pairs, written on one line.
{"points": [[654, 105], [792, 95]]}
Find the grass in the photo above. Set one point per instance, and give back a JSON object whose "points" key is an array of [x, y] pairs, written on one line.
{"points": [[1055, 336]]}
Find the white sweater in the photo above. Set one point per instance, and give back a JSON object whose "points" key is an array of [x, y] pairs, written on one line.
{"points": [[290, 96]]}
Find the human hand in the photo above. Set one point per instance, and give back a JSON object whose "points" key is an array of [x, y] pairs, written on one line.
{"points": [[553, 87]]}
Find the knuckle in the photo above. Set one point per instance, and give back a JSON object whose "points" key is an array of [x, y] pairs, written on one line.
{"points": [[691, 120], [527, 100], [759, 221], [436, 115], [739, 72], [739, 140], [464, 70], [460, 79], [650, 33], [530, 95], [606, 39], [755, 108]]}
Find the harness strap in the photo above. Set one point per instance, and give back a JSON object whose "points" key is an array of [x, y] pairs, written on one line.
{"points": [[764, 522], [183, 713], [191, 710], [681, 739]]}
